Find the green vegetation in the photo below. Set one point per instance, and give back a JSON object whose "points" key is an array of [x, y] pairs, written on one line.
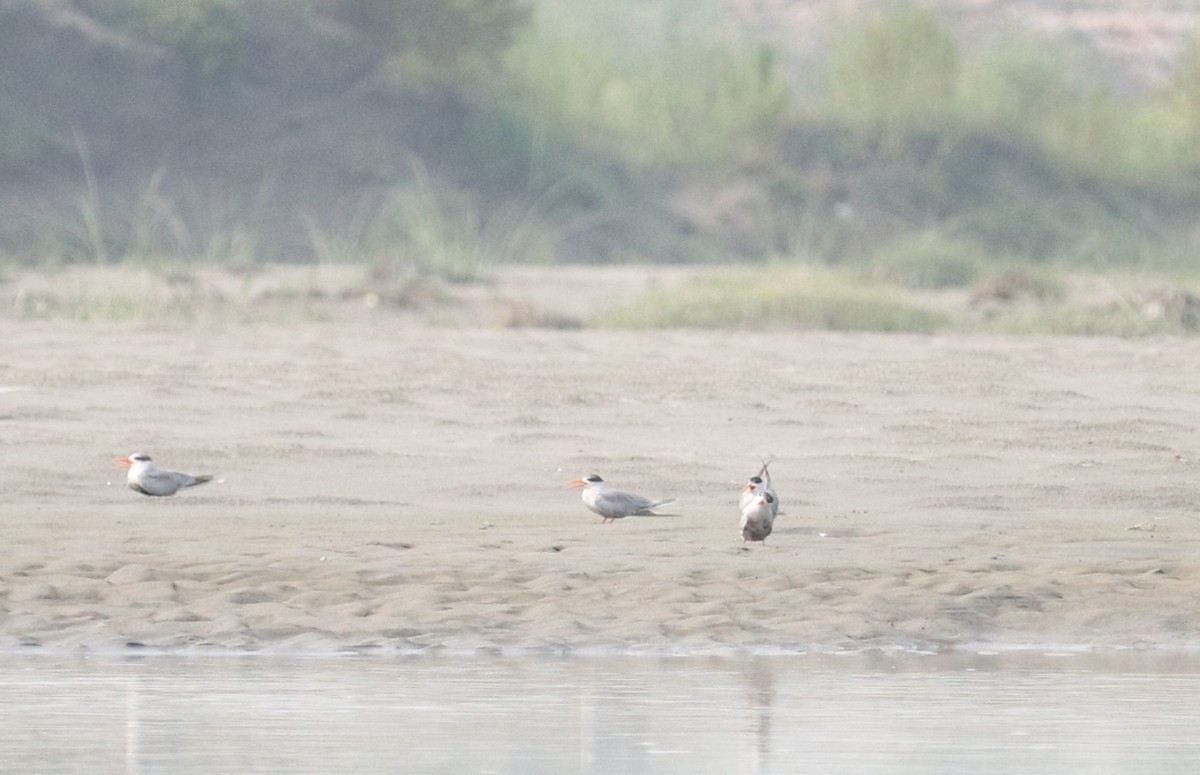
{"points": [[661, 84], [577, 131], [928, 260], [769, 298], [427, 229], [1013, 299], [897, 76]]}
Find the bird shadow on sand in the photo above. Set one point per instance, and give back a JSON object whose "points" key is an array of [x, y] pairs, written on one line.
{"points": [[640, 518]]}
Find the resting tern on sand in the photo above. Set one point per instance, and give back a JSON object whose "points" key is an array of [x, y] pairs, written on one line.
{"points": [[149, 479], [612, 504], [758, 517], [758, 485]]}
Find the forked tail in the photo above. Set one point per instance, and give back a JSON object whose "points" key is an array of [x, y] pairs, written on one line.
{"points": [[649, 510]]}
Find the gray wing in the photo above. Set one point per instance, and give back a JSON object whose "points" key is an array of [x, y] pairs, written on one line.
{"points": [[187, 480], [161, 482], [156, 482], [614, 503]]}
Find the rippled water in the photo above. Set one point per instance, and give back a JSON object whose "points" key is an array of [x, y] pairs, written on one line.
{"points": [[870, 714]]}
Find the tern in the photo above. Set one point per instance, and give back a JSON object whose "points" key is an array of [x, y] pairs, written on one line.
{"points": [[758, 485], [758, 517], [613, 504], [149, 479]]}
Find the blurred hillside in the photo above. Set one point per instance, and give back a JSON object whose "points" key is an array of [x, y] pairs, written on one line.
{"points": [[1136, 44], [413, 135]]}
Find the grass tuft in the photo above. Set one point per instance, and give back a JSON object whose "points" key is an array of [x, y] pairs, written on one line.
{"points": [[929, 260]]}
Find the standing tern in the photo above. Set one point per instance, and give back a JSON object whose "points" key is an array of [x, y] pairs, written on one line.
{"points": [[758, 517], [758, 485], [612, 504], [149, 479]]}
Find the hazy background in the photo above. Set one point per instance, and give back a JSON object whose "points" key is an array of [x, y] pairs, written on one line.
{"points": [[894, 165]]}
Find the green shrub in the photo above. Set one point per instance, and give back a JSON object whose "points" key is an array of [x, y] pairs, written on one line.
{"points": [[429, 228], [898, 75], [929, 260], [649, 84], [1049, 98]]}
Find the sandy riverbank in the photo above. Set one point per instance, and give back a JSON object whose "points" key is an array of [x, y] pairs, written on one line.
{"points": [[404, 487]]}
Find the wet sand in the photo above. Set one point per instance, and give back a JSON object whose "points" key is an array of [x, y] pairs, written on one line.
{"points": [[390, 486]]}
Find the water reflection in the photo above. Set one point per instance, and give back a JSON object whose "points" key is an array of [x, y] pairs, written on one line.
{"points": [[759, 701], [876, 713]]}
